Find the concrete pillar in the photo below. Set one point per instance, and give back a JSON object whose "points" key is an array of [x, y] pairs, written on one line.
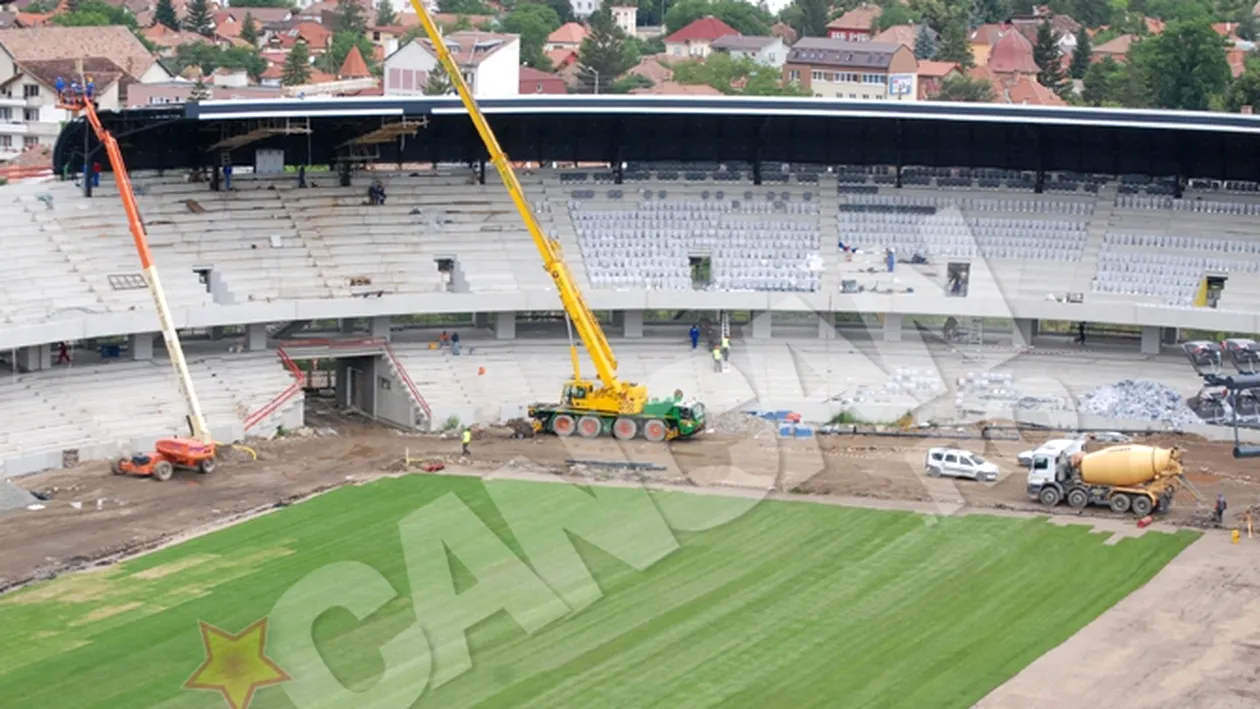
{"points": [[256, 337], [1036, 327], [826, 326], [1150, 340], [380, 327], [35, 358], [762, 325], [142, 346], [632, 323], [505, 325], [481, 321], [1022, 332], [892, 327]]}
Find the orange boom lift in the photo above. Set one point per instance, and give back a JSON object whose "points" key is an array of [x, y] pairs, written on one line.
{"points": [[197, 451]]}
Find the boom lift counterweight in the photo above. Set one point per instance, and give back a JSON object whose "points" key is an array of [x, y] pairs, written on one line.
{"points": [[588, 408], [198, 452]]}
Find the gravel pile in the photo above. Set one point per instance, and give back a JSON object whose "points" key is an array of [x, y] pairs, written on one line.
{"points": [[742, 424], [1141, 400], [13, 497]]}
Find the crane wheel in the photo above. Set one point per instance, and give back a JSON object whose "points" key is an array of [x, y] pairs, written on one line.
{"points": [[590, 427], [1077, 499], [655, 430], [1142, 505], [563, 425], [1120, 503], [162, 470], [625, 429], [207, 466]]}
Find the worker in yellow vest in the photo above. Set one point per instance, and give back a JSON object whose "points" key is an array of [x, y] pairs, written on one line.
{"points": [[465, 439], [726, 347], [717, 359]]}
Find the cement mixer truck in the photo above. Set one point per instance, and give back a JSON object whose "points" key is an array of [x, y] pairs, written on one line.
{"points": [[1129, 478]]}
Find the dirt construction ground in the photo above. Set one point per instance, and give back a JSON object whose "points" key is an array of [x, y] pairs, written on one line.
{"points": [[1189, 639]]}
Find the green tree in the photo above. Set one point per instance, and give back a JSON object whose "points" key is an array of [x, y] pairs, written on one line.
{"points": [[924, 43], [249, 30], [465, 7], [438, 83], [1247, 27], [808, 17], [339, 48], [959, 87], [994, 10], [894, 14], [348, 16], [955, 43], [1184, 67], [208, 57], [262, 3], [297, 66], [722, 72], [1245, 90], [564, 10], [95, 13], [1110, 83], [164, 14], [605, 54], [41, 7], [1048, 59], [200, 92], [1081, 55], [744, 17], [197, 18], [533, 22], [385, 15]]}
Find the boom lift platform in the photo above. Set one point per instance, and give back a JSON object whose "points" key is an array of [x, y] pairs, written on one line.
{"points": [[198, 451], [588, 408]]}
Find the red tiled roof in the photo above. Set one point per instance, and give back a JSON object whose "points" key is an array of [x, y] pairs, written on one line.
{"points": [[859, 18], [936, 70], [652, 68], [354, 67], [899, 34], [1012, 53], [562, 57], [568, 33], [1027, 91], [987, 34], [670, 88], [705, 29], [785, 32], [1119, 45]]}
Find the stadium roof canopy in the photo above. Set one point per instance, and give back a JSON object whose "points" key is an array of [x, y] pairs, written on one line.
{"points": [[694, 128]]}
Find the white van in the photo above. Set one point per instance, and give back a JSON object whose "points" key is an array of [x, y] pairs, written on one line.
{"points": [[958, 463]]}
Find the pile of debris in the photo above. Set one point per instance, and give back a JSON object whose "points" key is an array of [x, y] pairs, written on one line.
{"points": [[923, 384], [1140, 400], [742, 424]]}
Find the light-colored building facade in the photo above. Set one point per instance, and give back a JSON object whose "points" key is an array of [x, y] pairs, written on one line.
{"points": [[833, 68], [491, 64], [767, 51]]}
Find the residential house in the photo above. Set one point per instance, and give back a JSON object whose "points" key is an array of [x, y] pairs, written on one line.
{"points": [[767, 51], [1117, 48], [567, 36], [696, 39], [354, 66], [387, 38], [784, 32], [653, 68], [540, 82], [584, 8], [491, 64], [835, 68], [1012, 54], [626, 17], [856, 25], [316, 36], [1063, 26], [671, 88], [563, 58], [167, 39], [932, 74], [31, 59], [899, 34], [982, 39]]}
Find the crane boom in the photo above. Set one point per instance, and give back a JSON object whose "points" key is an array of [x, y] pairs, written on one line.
{"points": [[584, 321], [196, 421]]}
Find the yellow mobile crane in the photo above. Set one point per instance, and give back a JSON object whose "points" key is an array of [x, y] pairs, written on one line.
{"points": [[588, 408], [198, 452]]}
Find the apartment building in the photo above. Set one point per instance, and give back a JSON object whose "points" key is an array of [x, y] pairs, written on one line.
{"points": [[865, 70], [491, 64]]}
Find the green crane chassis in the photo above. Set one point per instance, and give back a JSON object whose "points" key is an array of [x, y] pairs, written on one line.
{"points": [[660, 421]]}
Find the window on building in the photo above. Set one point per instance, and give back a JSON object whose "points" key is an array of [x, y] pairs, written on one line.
{"points": [[30, 115], [6, 114], [817, 76], [30, 141], [6, 141], [794, 75], [874, 79], [30, 91]]}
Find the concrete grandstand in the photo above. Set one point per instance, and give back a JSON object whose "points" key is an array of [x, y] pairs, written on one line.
{"points": [[248, 269]]}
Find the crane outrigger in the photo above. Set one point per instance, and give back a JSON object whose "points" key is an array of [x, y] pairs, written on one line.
{"points": [[198, 451], [588, 408]]}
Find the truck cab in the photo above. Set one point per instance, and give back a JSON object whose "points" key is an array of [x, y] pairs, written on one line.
{"points": [[1050, 464]]}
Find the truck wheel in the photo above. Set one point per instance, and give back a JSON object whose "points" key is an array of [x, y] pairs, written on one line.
{"points": [[1050, 496], [655, 430], [1141, 505], [625, 429], [162, 470], [1120, 503], [1077, 498], [563, 425], [589, 426]]}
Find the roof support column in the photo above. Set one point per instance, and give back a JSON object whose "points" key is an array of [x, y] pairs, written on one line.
{"points": [[1039, 186], [900, 142], [481, 172]]}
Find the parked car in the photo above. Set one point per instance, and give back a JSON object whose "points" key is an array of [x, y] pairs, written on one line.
{"points": [[958, 463]]}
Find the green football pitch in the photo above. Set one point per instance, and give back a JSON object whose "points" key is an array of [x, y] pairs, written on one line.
{"points": [[789, 604]]}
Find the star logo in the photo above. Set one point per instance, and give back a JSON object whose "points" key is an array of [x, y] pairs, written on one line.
{"points": [[236, 666]]}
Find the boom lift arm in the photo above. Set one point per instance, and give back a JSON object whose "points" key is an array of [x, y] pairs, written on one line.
{"points": [[196, 421], [616, 396]]}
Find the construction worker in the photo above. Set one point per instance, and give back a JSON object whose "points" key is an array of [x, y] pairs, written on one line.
{"points": [[91, 88], [717, 359], [726, 347], [227, 177], [1249, 520], [695, 336], [464, 439], [1221, 506], [61, 89]]}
